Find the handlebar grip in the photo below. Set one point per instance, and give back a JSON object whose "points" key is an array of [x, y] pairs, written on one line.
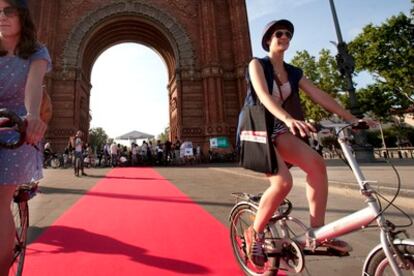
{"points": [[361, 125], [5, 122], [10, 121], [318, 127]]}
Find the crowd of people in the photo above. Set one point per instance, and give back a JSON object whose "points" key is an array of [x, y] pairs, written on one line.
{"points": [[112, 154], [148, 153]]}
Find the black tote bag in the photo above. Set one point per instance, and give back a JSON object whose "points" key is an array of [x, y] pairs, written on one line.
{"points": [[256, 148]]}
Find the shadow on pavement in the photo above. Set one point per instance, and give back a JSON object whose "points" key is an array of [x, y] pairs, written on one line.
{"points": [[63, 237], [183, 199]]}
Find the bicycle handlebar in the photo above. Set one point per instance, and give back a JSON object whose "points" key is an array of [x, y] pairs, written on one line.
{"points": [[10, 121], [360, 125]]}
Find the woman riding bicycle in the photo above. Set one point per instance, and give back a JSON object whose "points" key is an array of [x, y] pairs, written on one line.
{"points": [[283, 102], [23, 65]]}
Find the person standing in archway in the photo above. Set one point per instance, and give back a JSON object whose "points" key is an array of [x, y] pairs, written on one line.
{"points": [[114, 154], [23, 65], [79, 147]]}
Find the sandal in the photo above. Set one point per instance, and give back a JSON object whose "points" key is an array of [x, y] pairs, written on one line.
{"points": [[254, 247]]}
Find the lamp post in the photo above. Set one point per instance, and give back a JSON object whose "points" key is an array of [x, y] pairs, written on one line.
{"points": [[363, 151]]}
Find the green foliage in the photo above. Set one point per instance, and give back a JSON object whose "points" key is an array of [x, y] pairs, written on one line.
{"points": [[390, 137], [323, 73], [330, 142], [405, 135], [374, 138], [163, 137], [410, 136], [393, 136], [378, 100], [387, 52], [97, 138]]}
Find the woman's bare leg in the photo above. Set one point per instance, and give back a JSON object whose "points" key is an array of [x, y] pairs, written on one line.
{"points": [[296, 152], [280, 186], [7, 228]]}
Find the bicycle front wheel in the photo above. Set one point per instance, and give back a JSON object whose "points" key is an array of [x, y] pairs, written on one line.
{"points": [[240, 220], [380, 266], [20, 213]]}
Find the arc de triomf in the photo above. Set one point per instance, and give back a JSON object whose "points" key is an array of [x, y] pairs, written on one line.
{"points": [[205, 45]]}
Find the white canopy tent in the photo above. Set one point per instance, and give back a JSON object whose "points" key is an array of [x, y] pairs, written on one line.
{"points": [[133, 137]]}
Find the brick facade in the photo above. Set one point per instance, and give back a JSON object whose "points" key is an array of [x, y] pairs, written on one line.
{"points": [[205, 44]]}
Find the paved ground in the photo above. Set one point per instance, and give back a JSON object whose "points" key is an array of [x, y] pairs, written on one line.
{"points": [[381, 171], [211, 186]]}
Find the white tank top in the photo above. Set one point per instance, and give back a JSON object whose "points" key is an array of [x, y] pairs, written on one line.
{"points": [[286, 90]]}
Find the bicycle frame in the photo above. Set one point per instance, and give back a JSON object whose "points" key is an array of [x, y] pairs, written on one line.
{"points": [[360, 219]]}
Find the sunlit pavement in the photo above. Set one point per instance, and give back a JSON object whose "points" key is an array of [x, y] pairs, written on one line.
{"points": [[211, 186]]}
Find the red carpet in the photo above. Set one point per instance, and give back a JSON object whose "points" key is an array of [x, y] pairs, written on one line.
{"points": [[133, 222]]}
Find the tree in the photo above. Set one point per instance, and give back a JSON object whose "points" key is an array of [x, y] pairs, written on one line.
{"points": [[377, 100], [387, 52], [324, 74], [165, 135], [97, 138]]}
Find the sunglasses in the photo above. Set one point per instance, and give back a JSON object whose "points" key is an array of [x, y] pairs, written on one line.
{"points": [[9, 11], [279, 34]]}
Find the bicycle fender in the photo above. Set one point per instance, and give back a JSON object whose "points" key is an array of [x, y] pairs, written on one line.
{"points": [[241, 203], [379, 248]]}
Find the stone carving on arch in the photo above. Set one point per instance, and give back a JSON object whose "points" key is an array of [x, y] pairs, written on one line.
{"points": [[175, 33]]}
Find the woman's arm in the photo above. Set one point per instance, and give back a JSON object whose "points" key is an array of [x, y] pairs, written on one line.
{"points": [[325, 100], [32, 100], [272, 105]]}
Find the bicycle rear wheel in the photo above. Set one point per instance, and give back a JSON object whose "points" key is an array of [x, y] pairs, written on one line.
{"points": [[241, 219], [55, 163], [20, 213]]}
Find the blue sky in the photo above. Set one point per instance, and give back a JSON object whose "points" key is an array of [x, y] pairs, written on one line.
{"points": [[129, 80], [314, 28]]}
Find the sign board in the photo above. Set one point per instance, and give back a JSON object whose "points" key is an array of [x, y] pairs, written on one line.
{"points": [[219, 142], [186, 149]]}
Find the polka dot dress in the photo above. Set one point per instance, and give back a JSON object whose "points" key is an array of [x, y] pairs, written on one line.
{"points": [[24, 164]]}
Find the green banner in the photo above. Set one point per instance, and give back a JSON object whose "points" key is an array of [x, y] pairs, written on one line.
{"points": [[219, 142]]}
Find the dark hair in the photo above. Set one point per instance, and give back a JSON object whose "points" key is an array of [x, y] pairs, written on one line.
{"points": [[28, 37]]}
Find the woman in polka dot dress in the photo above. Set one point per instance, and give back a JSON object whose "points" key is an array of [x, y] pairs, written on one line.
{"points": [[23, 65]]}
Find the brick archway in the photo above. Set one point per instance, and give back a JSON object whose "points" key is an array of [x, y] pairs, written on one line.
{"points": [[131, 22], [137, 22], [205, 45]]}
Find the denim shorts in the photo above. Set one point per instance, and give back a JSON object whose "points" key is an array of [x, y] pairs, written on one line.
{"points": [[279, 128]]}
